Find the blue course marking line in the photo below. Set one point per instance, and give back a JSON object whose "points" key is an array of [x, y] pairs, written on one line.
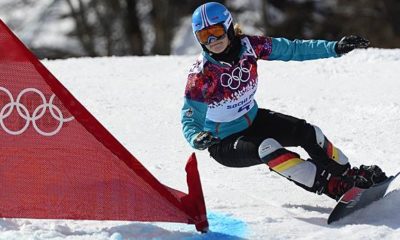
{"points": [[223, 226]]}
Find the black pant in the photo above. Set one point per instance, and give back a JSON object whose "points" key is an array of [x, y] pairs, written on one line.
{"points": [[241, 149]]}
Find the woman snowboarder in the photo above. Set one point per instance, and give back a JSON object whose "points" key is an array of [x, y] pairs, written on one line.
{"points": [[221, 115]]}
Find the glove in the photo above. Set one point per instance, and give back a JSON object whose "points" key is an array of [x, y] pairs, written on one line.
{"points": [[349, 43], [204, 140]]}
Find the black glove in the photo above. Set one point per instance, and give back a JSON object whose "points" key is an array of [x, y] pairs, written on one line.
{"points": [[349, 43], [205, 140]]}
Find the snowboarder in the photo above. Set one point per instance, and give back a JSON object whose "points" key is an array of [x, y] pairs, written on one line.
{"points": [[221, 115]]}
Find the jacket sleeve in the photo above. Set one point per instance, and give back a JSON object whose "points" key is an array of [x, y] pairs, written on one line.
{"points": [[197, 92], [299, 50], [193, 116]]}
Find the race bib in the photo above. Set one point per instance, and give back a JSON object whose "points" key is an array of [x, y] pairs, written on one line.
{"points": [[232, 109]]}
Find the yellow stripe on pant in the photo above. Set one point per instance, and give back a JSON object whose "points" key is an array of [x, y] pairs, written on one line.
{"points": [[335, 154], [287, 164]]}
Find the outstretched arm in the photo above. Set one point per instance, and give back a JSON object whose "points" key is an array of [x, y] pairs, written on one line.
{"points": [[300, 50]]}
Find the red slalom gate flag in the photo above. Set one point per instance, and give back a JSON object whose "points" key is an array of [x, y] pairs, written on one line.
{"points": [[58, 162]]}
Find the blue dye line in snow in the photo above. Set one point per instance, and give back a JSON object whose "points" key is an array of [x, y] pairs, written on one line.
{"points": [[223, 226], [223, 223]]}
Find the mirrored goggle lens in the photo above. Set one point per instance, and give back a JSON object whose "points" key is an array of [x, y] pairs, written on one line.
{"points": [[214, 32]]}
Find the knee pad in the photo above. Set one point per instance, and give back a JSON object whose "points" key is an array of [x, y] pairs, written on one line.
{"points": [[268, 149], [286, 163]]}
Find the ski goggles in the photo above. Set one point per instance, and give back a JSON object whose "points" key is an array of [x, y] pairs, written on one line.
{"points": [[210, 34]]}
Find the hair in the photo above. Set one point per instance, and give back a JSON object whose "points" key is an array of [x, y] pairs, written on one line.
{"points": [[238, 30]]}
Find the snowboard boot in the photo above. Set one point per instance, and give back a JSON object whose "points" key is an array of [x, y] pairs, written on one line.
{"points": [[339, 185], [363, 177], [370, 175]]}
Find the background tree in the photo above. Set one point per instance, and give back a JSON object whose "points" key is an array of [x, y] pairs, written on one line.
{"points": [[379, 21], [107, 27], [147, 27]]}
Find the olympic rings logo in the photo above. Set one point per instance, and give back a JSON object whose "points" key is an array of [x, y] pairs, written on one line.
{"points": [[37, 113], [239, 75]]}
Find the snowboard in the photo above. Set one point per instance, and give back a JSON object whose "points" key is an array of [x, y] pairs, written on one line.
{"points": [[358, 198]]}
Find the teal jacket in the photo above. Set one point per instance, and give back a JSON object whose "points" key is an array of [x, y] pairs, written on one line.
{"points": [[219, 97]]}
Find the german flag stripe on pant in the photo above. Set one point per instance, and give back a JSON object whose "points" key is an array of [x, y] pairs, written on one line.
{"points": [[292, 167], [284, 162], [332, 151]]}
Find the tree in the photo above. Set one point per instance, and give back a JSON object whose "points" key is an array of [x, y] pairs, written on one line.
{"points": [[378, 21], [145, 27], [164, 19], [132, 28], [107, 27], [372, 19], [83, 29]]}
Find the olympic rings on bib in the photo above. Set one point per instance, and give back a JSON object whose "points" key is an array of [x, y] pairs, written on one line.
{"points": [[37, 113], [239, 75]]}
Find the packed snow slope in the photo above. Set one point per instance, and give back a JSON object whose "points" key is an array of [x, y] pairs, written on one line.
{"points": [[354, 99]]}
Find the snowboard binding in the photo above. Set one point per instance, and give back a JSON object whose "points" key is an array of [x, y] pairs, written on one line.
{"points": [[367, 176], [363, 177]]}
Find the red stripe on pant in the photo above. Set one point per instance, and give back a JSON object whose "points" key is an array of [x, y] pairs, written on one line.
{"points": [[281, 159]]}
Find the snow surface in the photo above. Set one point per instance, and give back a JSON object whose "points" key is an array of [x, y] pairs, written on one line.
{"points": [[353, 99]]}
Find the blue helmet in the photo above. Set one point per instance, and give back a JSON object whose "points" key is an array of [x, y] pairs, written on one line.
{"points": [[210, 14]]}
